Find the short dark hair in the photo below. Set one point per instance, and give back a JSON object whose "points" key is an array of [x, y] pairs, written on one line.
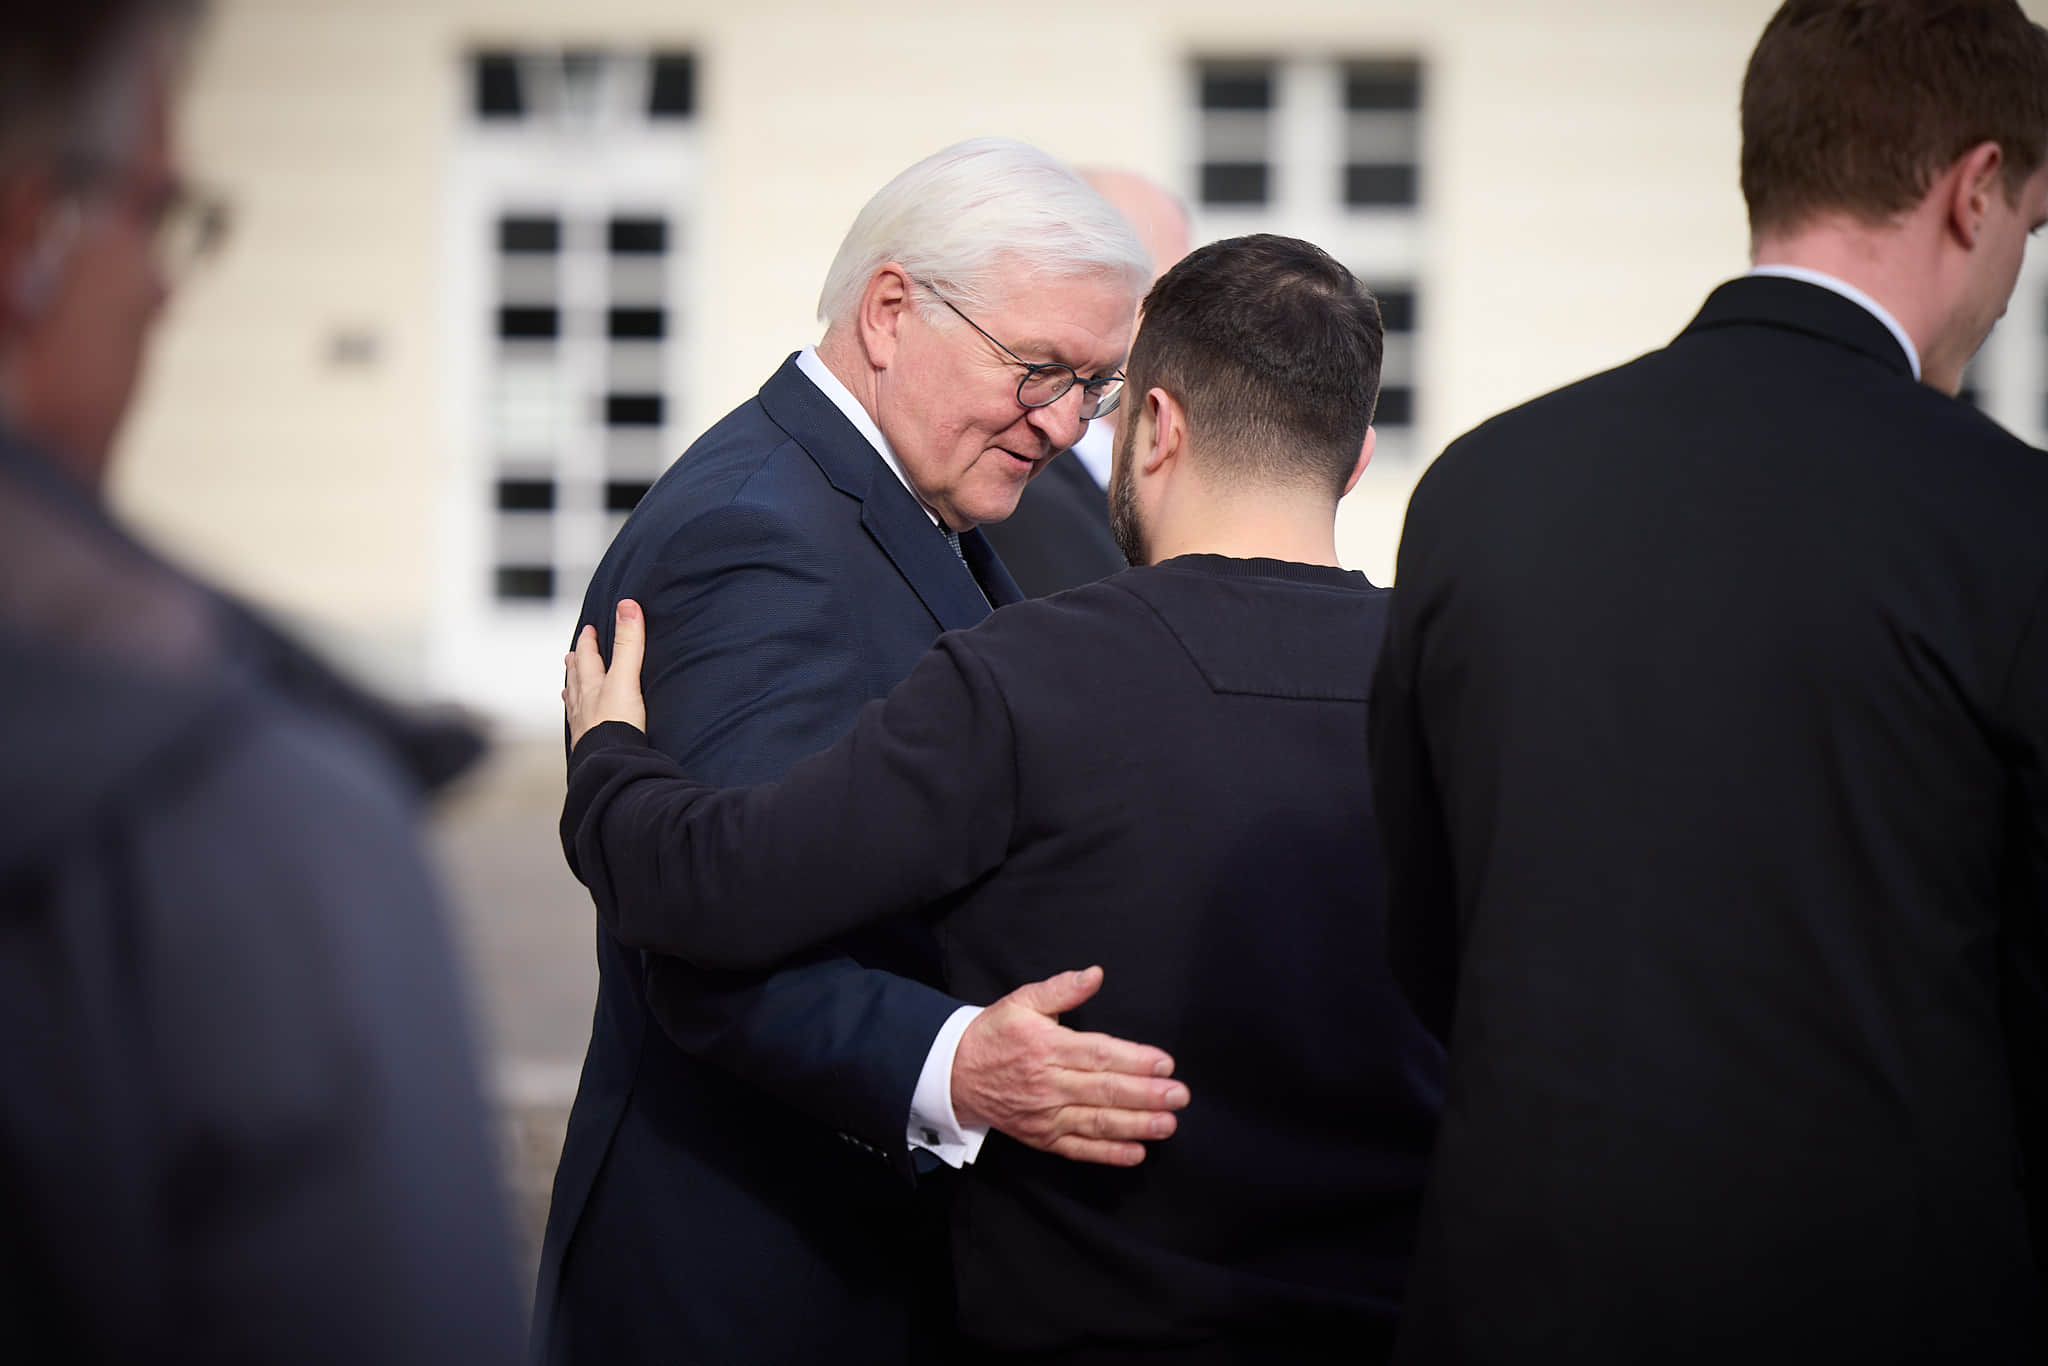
{"points": [[1856, 106], [52, 56], [1274, 349]]}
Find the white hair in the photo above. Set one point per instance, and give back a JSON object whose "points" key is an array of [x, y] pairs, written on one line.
{"points": [[977, 211]]}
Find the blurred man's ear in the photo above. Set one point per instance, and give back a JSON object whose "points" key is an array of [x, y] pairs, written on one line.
{"points": [[1364, 459], [35, 243]]}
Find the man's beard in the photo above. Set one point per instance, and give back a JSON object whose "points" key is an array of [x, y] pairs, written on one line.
{"points": [[1124, 523]]}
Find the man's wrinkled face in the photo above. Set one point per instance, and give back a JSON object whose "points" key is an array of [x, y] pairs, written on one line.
{"points": [[948, 401]]}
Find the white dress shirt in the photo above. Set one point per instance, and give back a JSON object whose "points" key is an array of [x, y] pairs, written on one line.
{"points": [[1853, 295], [933, 1126]]}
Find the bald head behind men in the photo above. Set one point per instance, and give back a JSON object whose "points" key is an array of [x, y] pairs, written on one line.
{"points": [[1157, 213]]}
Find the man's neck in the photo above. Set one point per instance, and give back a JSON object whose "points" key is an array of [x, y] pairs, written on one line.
{"points": [[1886, 262], [1248, 529], [842, 357]]}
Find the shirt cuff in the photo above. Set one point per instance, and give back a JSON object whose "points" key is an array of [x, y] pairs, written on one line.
{"points": [[933, 1125]]}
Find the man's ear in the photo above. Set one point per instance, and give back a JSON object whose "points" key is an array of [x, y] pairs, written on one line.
{"points": [[1364, 459], [36, 236], [1169, 432], [1970, 184], [884, 304]]}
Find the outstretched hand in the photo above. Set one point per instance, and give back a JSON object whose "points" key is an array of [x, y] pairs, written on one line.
{"points": [[590, 692], [1087, 1097]]}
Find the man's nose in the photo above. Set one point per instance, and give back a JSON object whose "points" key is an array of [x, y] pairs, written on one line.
{"points": [[1060, 421]]}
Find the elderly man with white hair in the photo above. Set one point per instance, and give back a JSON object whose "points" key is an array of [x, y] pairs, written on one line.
{"points": [[751, 1172]]}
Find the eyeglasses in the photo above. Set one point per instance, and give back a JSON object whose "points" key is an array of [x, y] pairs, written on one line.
{"points": [[191, 224], [1045, 384], [185, 223]]}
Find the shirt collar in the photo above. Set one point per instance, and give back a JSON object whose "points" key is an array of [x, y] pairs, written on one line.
{"points": [[813, 365], [1853, 295]]}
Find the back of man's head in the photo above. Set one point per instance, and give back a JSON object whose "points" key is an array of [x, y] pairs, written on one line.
{"points": [[975, 216], [1273, 349], [1855, 107]]}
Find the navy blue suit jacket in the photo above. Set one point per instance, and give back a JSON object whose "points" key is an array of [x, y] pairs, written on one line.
{"points": [[735, 1184]]}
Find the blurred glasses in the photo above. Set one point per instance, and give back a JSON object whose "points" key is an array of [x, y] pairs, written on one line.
{"points": [[185, 224], [1046, 384], [190, 225]]}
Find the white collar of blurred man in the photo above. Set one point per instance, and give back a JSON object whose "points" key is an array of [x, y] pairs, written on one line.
{"points": [[84, 272]]}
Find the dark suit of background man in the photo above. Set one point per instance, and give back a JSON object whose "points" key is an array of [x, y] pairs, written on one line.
{"points": [[239, 1115], [1163, 773], [1059, 537], [737, 1183], [1711, 736]]}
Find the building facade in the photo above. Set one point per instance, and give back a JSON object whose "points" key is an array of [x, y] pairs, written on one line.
{"points": [[496, 262]]}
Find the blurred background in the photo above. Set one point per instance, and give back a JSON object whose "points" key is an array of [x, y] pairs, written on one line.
{"points": [[496, 262]]}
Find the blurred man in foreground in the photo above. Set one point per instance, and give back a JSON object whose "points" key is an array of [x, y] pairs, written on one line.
{"points": [[1059, 537], [1711, 737], [1163, 774], [750, 1169], [239, 1118]]}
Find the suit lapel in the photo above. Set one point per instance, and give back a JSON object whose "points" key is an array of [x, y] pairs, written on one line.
{"points": [[995, 581], [888, 512], [920, 552]]}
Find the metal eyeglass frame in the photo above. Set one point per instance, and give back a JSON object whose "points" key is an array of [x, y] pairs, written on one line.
{"points": [[1105, 391]]}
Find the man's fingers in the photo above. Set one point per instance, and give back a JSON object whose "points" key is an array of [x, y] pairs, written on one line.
{"points": [[1099, 1151], [1106, 1053], [629, 638], [586, 671], [1120, 1091], [1126, 1126], [1059, 993]]}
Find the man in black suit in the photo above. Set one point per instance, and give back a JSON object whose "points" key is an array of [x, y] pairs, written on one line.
{"points": [[1162, 774], [1711, 741], [1059, 537], [747, 1171], [240, 1117]]}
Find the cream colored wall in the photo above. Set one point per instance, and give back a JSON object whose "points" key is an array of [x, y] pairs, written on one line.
{"points": [[1579, 181]]}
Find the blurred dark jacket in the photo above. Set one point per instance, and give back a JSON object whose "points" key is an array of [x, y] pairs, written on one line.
{"points": [[239, 1113]]}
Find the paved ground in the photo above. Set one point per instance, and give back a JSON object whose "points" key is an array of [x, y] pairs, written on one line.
{"points": [[526, 928]]}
